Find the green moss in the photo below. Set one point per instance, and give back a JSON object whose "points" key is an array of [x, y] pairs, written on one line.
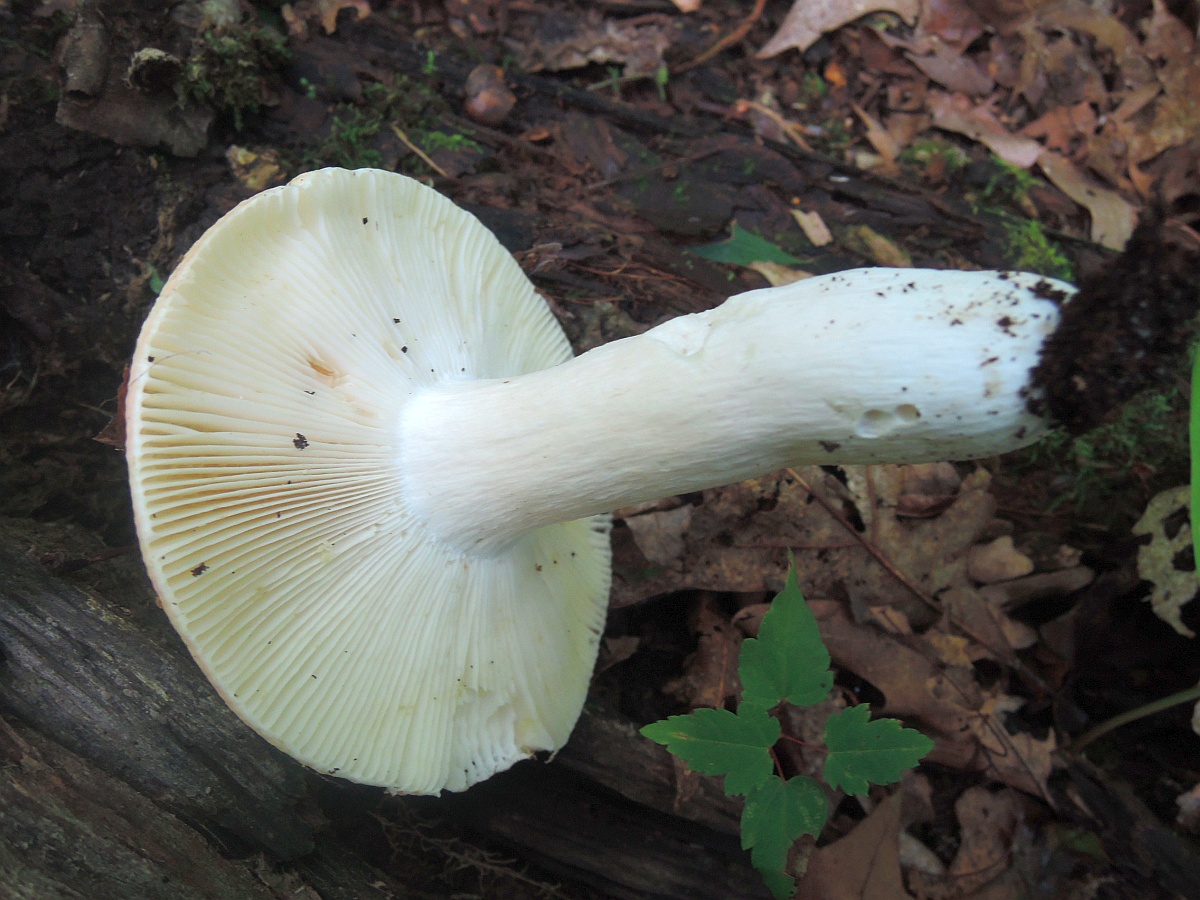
{"points": [[1008, 184], [231, 70], [352, 138], [1109, 472], [349, 143], [926, 151], [813, 89], [433, 141], [1028, 249], [835, 135]]}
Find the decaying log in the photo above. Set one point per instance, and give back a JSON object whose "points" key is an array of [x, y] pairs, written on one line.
{"points": [[95, 669], [124, 694], [1133, 835], [622, 848], [68, 830], [607, 749]]}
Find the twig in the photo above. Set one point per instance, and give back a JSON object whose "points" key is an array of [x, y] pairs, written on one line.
{"points": [[417, 150], [728, 40]]}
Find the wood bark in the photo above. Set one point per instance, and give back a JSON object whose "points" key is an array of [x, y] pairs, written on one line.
{"points": [[125, 775], [123, 693]]}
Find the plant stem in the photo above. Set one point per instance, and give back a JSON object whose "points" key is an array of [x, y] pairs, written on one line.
{"points": [[1186, 696]]}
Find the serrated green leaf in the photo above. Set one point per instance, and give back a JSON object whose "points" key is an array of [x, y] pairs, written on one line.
{"points": [[787, 661], [781, 886], [718, 742], [775, 815], [743, 248], [864, 752]]}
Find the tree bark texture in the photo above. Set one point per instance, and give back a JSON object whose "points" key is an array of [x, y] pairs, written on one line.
{"points": [[123, 774]]}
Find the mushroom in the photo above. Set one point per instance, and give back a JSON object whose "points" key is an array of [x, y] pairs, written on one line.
{"points": [[371, 484]]}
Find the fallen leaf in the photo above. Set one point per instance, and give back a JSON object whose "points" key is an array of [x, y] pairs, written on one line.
{"points": [[953, 71], [743, 248], [1063, 128], [878, 136], [777, 274], [1170, 538], [1019, 759], [568, 41], [988, 822], [1189, 809], [813, 226], [710, 674], [1019, 591], [879, 249], [659, 534], [807, 20], [863, 865], [997, 560], [959, 114], [967, 722], [330, 9], [257, 170], [1113, 217], [298, 15]]}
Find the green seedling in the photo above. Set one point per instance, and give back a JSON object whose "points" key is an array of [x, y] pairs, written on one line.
{"points": [[786, 663]]}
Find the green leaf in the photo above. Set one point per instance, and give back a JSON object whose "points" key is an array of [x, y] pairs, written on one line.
{"points": [[718, 742], [787, 661], [777, 813], [862, 752], [745, 247]]}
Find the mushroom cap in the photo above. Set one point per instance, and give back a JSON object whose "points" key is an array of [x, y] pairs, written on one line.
{"points": [[263, 453]]}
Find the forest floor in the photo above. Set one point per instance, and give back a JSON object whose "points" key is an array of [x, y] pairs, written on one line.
{"points": [[642, 161]]}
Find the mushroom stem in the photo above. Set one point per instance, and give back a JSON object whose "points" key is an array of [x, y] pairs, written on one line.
{"points": [[868, 366]]}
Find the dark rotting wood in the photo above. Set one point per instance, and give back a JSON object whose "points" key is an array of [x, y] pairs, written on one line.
{"points": [[125, 695]]}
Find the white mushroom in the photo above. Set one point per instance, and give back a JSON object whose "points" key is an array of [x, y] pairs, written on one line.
{"points": [[370, 481]]}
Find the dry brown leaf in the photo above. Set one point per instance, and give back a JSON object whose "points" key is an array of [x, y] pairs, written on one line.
{"points": [[1108, 31], [988, 823], [257, 170], [953, 23], [881, 250], [1015, 593], [878, 137], [298, 15], [1020, 759], [956, 73], [864, 865], [960, 114], [807, 20], [1113, 217], [778, 274], [997, 560], [966, 723], [659, 534], [1063, 128], [710, 674], [813, 226], [569, 41]]}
